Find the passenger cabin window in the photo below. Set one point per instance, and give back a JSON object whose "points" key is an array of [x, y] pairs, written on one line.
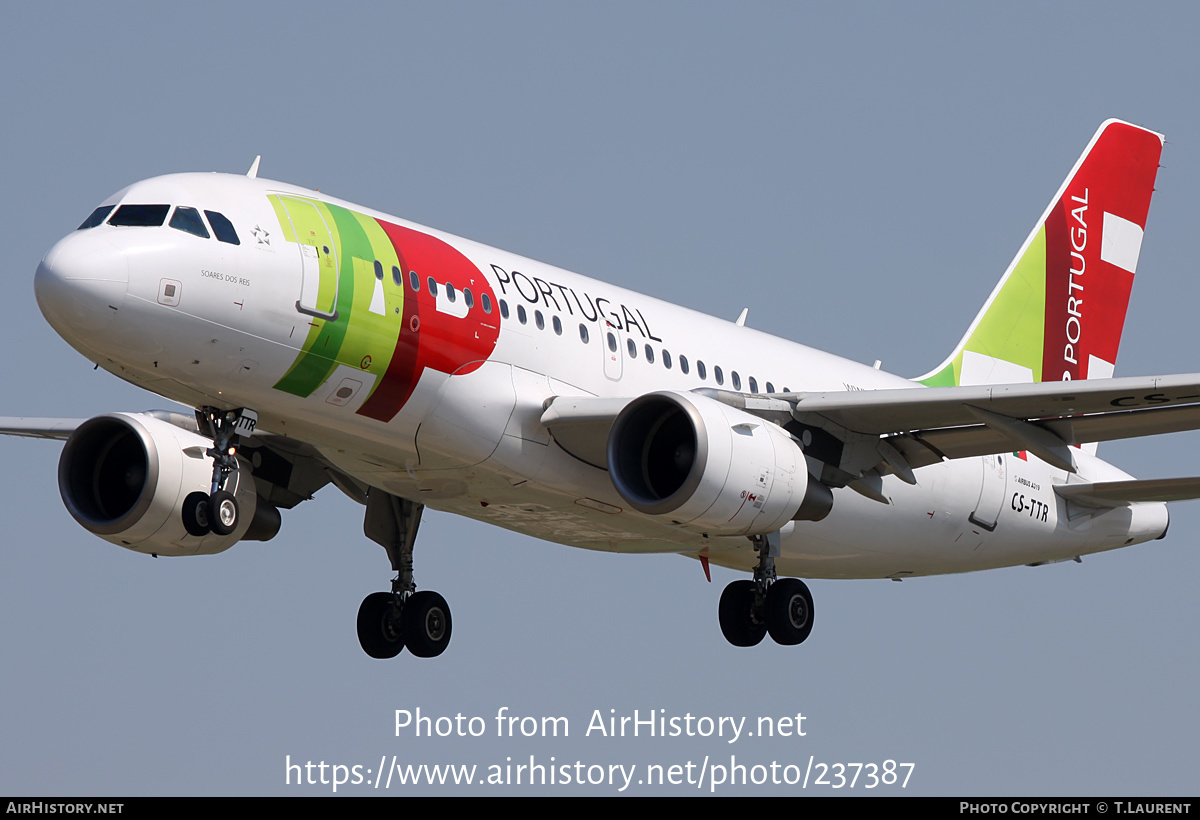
{"points": [[397, 279], [96, 218], [432, 287], [718, 375], [583, 333], [666, 358], [378, 270], [683, 364], [414, 280], [140, 216], [188, 220], [222, 227], [503, 309], [753, 385], [486, 301]]}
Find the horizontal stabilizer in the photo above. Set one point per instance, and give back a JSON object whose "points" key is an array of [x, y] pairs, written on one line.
{"points": [[1106, 494]]}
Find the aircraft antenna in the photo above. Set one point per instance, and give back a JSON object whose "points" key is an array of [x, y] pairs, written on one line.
{"points": [[253, 172]]}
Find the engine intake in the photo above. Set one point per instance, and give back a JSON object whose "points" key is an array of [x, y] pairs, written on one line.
{"points": [[124, 477], [710, 467]]}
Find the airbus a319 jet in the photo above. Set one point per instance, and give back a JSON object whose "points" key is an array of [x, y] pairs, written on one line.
{"points": [[320, 342]]}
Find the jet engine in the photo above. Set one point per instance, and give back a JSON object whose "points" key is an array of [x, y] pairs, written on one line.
{"points": [[710, 467], [125, 477]]}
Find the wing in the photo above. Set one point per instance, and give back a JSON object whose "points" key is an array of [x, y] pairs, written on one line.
{"points": [[851, 435], [926, 425], [60, 429]]}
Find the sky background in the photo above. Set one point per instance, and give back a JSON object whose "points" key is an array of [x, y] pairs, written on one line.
{"points": [[859, 176]]}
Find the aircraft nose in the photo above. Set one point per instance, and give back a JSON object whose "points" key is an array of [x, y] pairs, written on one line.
{"points": [[80, 285]]}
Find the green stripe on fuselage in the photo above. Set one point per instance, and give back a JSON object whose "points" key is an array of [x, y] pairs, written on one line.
{"points": [[371, 337], [358, 337], [320, 350], [281, 213]]}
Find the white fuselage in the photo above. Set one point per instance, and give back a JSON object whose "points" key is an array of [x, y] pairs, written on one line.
{"points": [[227, 329]]}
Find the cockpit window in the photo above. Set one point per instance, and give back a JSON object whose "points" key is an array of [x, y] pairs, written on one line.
{"points": [[188, 220], [96, 218], [140, 215], [222, 227]]}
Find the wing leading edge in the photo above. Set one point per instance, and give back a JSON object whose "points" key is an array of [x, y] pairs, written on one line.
{"points": [[861, 433], [60, 429], [928, 424]]}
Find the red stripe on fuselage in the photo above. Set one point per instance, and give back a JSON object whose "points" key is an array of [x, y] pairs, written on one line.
{"points": [[445, 343]]}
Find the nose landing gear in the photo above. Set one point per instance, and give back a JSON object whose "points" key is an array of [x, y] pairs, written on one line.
{"points": [[223, 512], [218, 510]]}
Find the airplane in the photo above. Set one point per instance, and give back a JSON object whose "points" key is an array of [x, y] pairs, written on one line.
{"points": [[314, 341]]}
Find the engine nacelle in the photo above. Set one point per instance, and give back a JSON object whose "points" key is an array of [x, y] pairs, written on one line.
{"points": [[124, 477], [710, 467]]}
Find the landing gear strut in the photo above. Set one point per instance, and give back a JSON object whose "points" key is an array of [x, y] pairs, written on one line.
{"points": [[783, 607], [390, 621], [218, 511]]}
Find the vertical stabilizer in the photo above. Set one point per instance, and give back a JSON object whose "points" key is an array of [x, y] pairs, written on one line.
{"points": [[1058, 311]]}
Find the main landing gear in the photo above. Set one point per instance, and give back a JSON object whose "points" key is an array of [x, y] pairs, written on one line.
{"points": [[781, 606], [390, 621], [217, 511]]}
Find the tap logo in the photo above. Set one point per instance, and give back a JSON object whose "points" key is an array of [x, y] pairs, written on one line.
{"points": [[383, 299]]}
